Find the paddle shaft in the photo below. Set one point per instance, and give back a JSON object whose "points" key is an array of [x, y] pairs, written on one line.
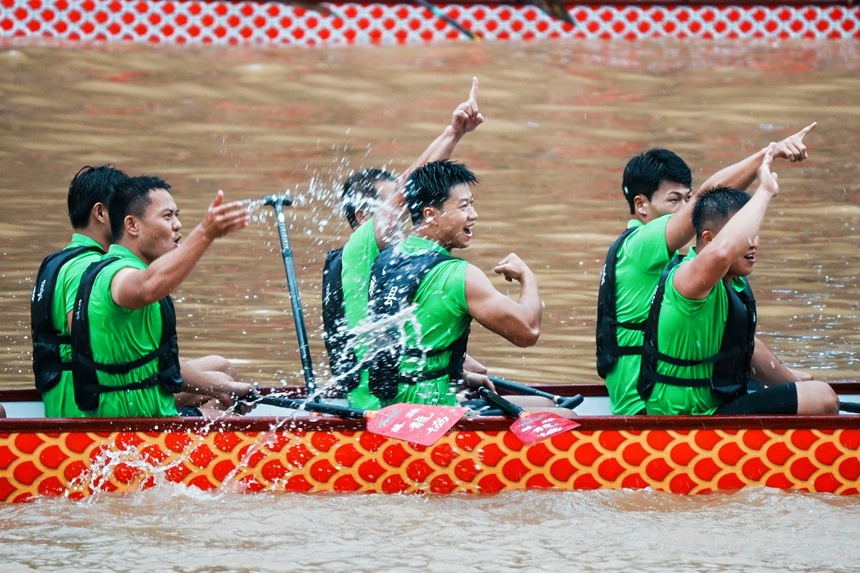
{"points": [[278, 202], [311, 406], [505, 406], [569, 402], [853, 407], [451, 21]]}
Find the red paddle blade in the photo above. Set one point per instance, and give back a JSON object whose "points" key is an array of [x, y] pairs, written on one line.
{"points": [[415, 423], [539, 426]]}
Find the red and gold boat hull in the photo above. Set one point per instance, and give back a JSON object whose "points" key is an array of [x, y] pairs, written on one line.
{"points": [[684, 455]]}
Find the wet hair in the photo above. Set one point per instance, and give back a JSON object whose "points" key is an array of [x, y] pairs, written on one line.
{"points": [[716, 206], [131, 198], [430, 185], [89, 186], [646, 171], [359, 192]]}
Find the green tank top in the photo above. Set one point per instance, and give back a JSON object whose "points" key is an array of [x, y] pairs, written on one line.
{"points": [[120, 335], [359, 254], [639, 264], [59, 401]]}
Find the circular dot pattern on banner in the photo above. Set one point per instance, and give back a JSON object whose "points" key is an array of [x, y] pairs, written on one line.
{"points": [[220, 22]]}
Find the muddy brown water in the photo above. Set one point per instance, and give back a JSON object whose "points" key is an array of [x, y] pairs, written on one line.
{"points": [[562, 120]]}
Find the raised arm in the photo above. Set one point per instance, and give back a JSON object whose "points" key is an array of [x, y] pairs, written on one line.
{"points": [[517, 321], [392, 215], [739, 234], [679, 230], [133, 288], [743, 173]]}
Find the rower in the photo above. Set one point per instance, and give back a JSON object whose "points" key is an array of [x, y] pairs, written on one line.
{"points": [[657, 188], [346, 275], [444, 293], [699, 338], [124, 325], [56, 286]]}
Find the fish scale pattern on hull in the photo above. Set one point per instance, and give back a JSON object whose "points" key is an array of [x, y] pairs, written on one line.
{"points": [[77, 464]]}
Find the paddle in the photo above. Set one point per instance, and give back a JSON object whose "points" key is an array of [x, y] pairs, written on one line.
{"points": [[416, 423], [451, 21], [278, 202], [530, 427], [852, 407], [569, 402], [556, 9]]}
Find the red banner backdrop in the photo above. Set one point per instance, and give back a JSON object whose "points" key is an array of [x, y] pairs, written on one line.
{"points": [[224, 22]]}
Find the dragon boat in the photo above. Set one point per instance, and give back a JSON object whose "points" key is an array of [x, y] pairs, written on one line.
{"points": [[277, 449]]}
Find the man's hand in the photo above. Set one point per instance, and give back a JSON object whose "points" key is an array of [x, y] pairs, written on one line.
{"points": [[224, 218], [229, 391], [767, 179], [512, 268], [792, 147], [473, 381], [472, 365], [467, 116]]}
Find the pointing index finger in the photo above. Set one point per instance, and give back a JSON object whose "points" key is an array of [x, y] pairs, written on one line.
{"points": [[808, 128], [473, 93]]}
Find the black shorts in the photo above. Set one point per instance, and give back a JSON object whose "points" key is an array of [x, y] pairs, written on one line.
{"points": [[775, 400], [189, 411]]}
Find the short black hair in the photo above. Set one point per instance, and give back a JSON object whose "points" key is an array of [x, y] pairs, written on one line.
{"points": [[646, 171], [430, 185], [359, 192], [131, 198], [716, 206], [89, 186]]}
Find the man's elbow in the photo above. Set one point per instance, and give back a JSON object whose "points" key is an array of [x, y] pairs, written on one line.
{"points": [[528, 337]]}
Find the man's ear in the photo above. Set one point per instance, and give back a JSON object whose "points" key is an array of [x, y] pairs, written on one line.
{"points": [[362, 216], [707, 236], [99, 212], [429, 214], [640, 204], [132, 225]]}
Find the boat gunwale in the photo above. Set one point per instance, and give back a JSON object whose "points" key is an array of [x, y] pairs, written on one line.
{"points": [[482, 424], [315, 423], [571, 5]]}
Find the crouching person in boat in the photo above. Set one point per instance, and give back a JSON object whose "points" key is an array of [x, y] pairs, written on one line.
{"points": [[699, 348], [442, 294], [124, 324]]}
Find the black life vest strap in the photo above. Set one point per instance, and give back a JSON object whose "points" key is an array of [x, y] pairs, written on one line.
{"points": [[648, 364], [675, 381], [416, 353], [722, 355], [164, 349], [606, 335]]}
